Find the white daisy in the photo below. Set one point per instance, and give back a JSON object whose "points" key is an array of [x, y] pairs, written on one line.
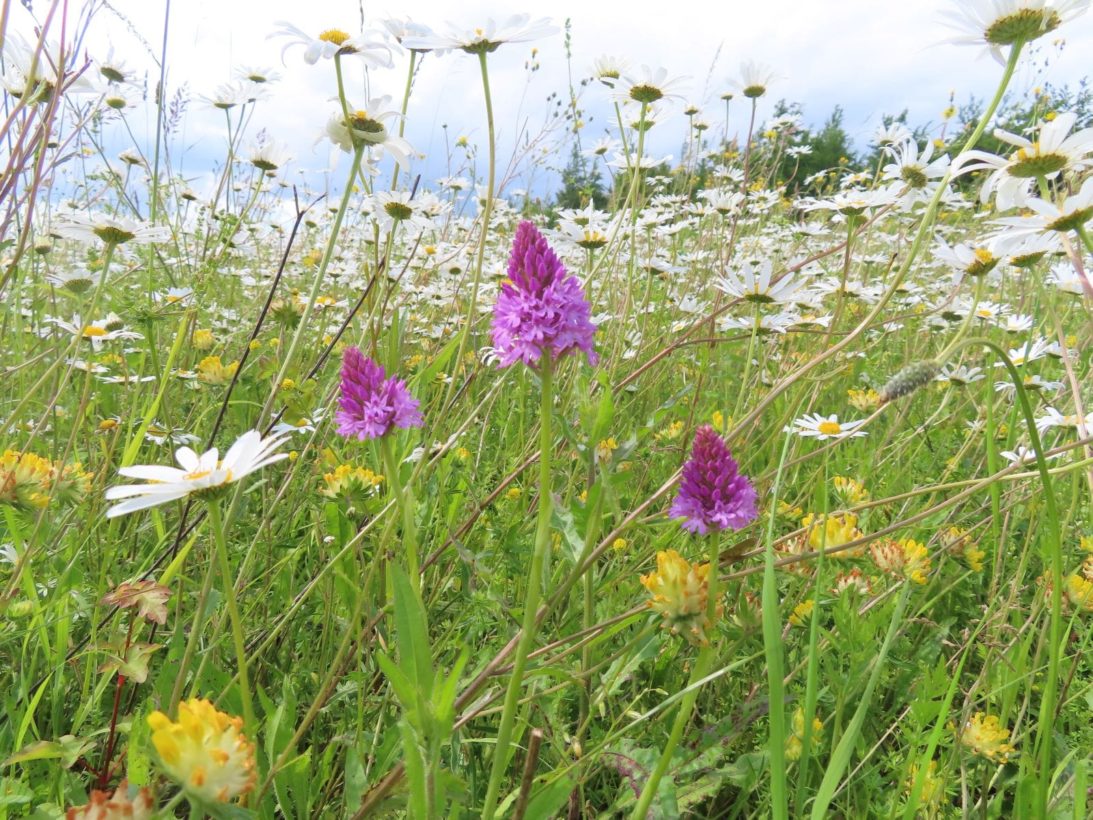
{"points": [[113, 230], [485, 39], [1022, 455], [1053, 418], [744, 283], [824, 427], [999, 23], [1054, 151], [334, 43], [959, 375], [368, 125], [201, 473]]}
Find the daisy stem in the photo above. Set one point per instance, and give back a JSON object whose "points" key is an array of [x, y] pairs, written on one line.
{"points": [[405, 105], [404, 497], [487, 211], [1083, 277], [701, 668], [532, 595], [320, 274], [962, 331], [741, 387], [217, 525]]}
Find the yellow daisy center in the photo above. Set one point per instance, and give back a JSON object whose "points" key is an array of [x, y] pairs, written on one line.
{"points": [[830, 428], [92, 331], [334, 35]]}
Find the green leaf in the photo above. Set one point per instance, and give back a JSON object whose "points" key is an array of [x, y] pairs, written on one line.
{"points": [[415, 657], [547, 803]]}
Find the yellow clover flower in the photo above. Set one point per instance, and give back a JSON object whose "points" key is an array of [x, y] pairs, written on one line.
{"points": [[205, 751], [680, 592]]}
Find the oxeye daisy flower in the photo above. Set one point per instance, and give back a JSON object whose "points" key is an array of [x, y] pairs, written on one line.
{"points": [[754, 79], [519, 28], [649, 86], [541, 310], [372, 404], [1055, 150], [753, 283], [915, 171], [368, 125], [1000, 23], [198, 474], [205, 751], [1048, 217], [334, 42], [712, 493], [813, 425], [112, 230]]}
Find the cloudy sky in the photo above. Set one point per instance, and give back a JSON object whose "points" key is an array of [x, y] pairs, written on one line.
{"points": [[870, 56]]}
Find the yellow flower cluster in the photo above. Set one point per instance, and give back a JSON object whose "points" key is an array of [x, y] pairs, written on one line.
{"points": [[672, 431], [205, 751], [828, 532], [605, 448], [680, 592], [984, 735], [957, 541], [864, 400], [802, 612], [212, 371], [795, 742], [849, 490], [27, 481], [933, 786], [203, 339], [905, 558], [347, 480]]}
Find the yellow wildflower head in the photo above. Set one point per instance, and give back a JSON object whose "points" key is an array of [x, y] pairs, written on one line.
{"points": [[205, 751], [827, 532], [203, 339], [605, 448], [984, 735], [802, 612], [1079, 592], [25, 480], [905, 558], [864, 400], [795, 741], [212, 371], [849, 490], [350, 483], [680, 592], [933, 786]]}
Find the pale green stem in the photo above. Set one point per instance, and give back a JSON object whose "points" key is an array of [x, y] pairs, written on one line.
{"points": [[404, 497], [316, 286], [532, 596], [701, 668], [217, 525], [487, 212], [405, 106]]}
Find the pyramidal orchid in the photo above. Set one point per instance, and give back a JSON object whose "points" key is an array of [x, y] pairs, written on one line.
{"points": [[541, 310], [370, 403]]}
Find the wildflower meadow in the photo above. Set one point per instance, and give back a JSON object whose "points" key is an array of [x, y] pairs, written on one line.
{"points": [[750, 482]]}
